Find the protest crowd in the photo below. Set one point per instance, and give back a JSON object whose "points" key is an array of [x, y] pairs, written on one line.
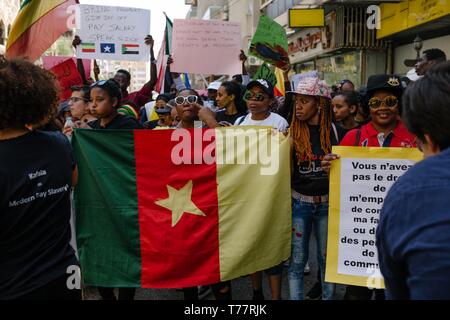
{"points": [[37, 131]]}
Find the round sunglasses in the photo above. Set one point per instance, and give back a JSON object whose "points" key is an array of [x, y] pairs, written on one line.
{"points": [[189, 99], [389, 101]]}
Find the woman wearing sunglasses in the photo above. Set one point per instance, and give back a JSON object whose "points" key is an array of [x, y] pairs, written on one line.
{"points": [[188, 104], [385, 129], [259, 96]]}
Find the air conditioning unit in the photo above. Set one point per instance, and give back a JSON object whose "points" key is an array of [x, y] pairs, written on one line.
{"points": [[215, 13], [253, 61]]}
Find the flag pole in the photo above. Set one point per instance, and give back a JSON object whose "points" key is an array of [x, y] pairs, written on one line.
{"points": [[204, 81]]}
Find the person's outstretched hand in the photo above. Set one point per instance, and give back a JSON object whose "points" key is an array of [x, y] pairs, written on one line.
{"points": [[149, 41], [96, 68], [76, 42], [242, 56]]}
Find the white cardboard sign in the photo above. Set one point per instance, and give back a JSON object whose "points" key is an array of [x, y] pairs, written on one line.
{"points": [[113, 33]]}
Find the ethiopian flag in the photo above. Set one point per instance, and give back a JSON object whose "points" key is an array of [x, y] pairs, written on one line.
{"points": [[179, 208], [38, 25]]}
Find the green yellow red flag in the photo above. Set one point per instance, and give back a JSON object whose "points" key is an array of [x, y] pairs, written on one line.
{"points": [[37, 26]]}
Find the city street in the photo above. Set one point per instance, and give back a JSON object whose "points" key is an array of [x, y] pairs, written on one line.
{"points": [[241, 287]]}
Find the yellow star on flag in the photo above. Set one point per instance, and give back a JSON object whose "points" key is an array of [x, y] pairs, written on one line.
{"points": [[179, 202]]}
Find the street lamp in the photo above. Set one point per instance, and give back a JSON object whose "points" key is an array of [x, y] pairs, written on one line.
{"points": [[418, 44]]}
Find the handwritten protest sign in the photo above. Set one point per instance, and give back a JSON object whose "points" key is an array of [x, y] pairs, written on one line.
{"points": [[359, 182], [270, 43], [51, 61], [206, 47], [67, 74], [113, 33]]}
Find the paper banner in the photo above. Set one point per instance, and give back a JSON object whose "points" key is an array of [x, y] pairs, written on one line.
{"points": [[206, 47], [359, 182]]}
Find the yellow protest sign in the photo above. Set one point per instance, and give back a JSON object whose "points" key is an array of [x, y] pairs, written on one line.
{"points": [[359, 182]]}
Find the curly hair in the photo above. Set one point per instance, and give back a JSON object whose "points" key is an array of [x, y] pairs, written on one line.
{"points": [[28, 93], [300, 133]]}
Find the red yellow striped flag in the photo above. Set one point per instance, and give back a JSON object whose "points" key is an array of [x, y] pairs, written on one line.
{"points": [[178, 208], [37, 26]]}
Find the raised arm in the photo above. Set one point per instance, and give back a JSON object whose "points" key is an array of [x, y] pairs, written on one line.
{"points": [[76, 42], [153, 72], [96, 70], [243, 59]]}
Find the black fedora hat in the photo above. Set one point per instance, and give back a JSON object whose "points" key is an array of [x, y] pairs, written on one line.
{"points": [[388, 82]]}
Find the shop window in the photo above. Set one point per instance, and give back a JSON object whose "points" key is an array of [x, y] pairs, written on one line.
{"points": [[339, 67], [304, 67]]}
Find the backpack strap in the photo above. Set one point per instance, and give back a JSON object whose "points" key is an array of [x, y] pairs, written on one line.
{"points": [[240, 120], [335, 132]]}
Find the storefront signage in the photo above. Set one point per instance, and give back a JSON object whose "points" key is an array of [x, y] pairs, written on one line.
{"points": [[304, 42], [306, 18], [397, 17]]}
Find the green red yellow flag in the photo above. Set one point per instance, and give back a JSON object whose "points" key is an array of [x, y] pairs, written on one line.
{"points": [[179, 208], [37, 26]]}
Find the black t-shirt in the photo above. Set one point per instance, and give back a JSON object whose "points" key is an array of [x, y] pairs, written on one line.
{"points": [[222, 116], [348, 130], [35, 184], [309, 178], [120, 122]]}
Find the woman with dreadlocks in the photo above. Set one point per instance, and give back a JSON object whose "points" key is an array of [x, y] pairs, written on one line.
{"points": [[313, 135]]}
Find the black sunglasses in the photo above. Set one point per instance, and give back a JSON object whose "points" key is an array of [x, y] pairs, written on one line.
{"points": [[257, 96]]}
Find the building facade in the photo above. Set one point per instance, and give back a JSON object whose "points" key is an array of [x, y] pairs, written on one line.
{"points": [[345, 48], [402, 23], [8, 12], [139, 70]]}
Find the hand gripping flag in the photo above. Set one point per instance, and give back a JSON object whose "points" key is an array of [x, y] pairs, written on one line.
{"points": [[153, 214]]}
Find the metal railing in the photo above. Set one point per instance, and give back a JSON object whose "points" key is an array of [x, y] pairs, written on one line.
{"points": [[351, 29]]}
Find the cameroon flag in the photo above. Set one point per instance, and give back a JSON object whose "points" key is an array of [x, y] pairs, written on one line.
{"points": [[180, 208], [38, 25]]}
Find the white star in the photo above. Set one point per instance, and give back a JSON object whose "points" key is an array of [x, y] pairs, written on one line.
{"points": [[107, 49], [180, 202]]}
